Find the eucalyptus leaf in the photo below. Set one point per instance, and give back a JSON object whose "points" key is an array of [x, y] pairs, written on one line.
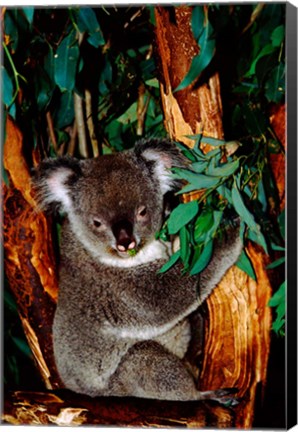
{"points": [[29, 13], [64, 113], [130, 114], [87, 22], [244, 264], [198, 64], [7, 87], [11, 29], [65, 63], [203, 259], [258, 238], [278, 35], [201, 60], [197, 181], [242, 210], [173, 259], [275, 84], [49, 63], [276, 263], [225, 193], [199, 166], [215, 142], [277, 247], [184, 237], [278, 297], [22, 346], [224, 170], [202, 225], [152, 82], [182, 215], [44, 88], [267, 49], [197, 21], [282, 223]]}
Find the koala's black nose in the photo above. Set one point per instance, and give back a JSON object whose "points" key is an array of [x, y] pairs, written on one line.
{"points": [[123, 232]]}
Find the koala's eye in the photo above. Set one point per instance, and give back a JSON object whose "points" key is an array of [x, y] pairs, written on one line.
{"points": [[142, 212], [96, 223]]}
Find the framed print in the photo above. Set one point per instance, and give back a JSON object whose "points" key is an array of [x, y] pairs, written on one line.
{"points": [[149, 172]]}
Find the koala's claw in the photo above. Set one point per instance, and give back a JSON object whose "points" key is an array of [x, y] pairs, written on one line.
{"points": [[222, 396]]}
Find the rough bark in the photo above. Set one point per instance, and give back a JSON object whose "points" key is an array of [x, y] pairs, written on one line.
{"points": [[237, 334], [277, 160], [30, 263]]}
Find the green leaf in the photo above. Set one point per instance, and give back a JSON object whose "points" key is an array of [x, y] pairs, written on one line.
{"points": [[276, 263], [7, 87], [197, 21], [198, 64], [278, 35], [213, 141], [244, 264], [277, 248], [130, 114], [64, 115], [197, 181], [65, 64], [242, 211], [225, 193], [199, 166], [22, 346], [282, 223], [202, 225], [258, 238], [278, 297], [11, 28], [203, 259], [174, 258], [201, 60], [49, 63], [153, 82], [29, 13], [267, 49], [182, 215], [87, 22], [275, 84], [44, 88], [184, 245], [224, 170]]}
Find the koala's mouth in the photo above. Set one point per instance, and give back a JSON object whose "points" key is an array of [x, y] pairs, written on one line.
{"points": [[126, 253]]}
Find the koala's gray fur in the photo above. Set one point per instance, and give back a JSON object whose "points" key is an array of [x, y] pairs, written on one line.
{"points": [[121, 328]]}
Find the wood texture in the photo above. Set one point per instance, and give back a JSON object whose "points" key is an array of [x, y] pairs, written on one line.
{"points": [[237, 332], [30, 263], [64, 408]]}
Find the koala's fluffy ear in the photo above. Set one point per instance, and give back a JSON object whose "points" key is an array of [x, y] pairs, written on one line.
{"points": [[161, 154], [52, 179]]}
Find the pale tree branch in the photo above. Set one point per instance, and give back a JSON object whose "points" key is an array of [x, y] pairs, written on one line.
{"points": [[90, 123]]}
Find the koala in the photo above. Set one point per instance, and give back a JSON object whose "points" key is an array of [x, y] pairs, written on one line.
{"points": [[120, 327]]}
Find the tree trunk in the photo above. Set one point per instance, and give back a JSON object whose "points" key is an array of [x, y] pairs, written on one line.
{"points": [[237, 334], [30, 263]]}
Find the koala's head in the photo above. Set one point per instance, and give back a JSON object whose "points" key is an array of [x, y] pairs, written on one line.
{"points": [[114, 203]]}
